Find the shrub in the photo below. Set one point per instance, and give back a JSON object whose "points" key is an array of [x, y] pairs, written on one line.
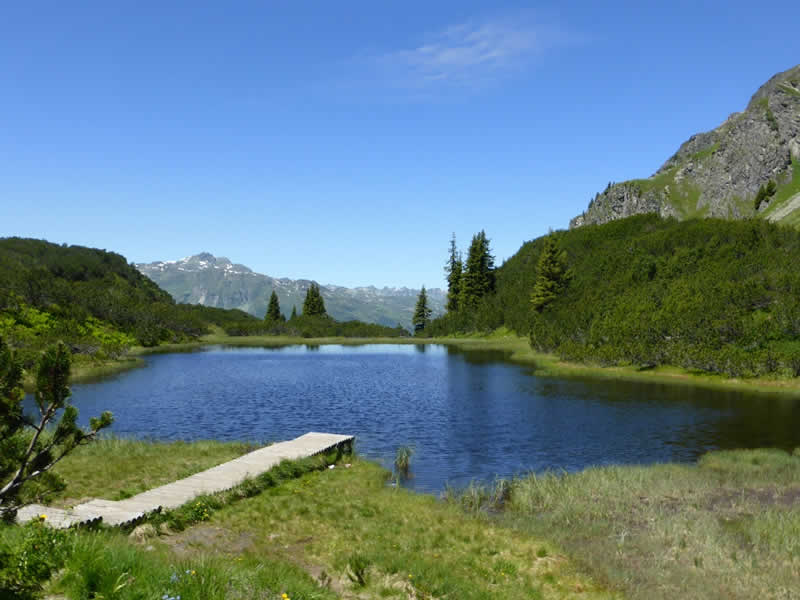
{"points": [[28, 557]]}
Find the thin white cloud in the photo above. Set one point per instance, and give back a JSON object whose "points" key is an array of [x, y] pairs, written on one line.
{"points": [[469, 54]]}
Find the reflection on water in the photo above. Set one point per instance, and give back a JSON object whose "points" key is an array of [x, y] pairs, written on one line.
{"points": [[469, 415]]}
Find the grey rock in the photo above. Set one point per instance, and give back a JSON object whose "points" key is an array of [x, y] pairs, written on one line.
{"points": [[716, 173], [216, 281]]}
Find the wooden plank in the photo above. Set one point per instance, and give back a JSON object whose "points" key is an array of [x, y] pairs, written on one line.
{"points": [[175, 494]]}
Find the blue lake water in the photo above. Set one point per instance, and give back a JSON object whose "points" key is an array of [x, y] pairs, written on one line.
{"points": [[469, 415]]}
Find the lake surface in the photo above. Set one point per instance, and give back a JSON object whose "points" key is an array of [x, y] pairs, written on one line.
{"points": [[470, 415]]}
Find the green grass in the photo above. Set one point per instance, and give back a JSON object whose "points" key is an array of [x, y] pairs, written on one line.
{"points": [[789, 90], [116, 468], [107, 565], [402, 461], [378, 541], [683, 196], [86, 369], [311, 533], [698, 156], [726, 528], [787, 189], [517, 349]]}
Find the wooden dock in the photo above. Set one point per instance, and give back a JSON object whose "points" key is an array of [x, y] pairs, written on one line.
{"points": [[175, 494]]}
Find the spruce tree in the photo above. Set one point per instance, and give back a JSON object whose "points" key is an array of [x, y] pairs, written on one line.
{"points": [[422, 312], [274, 309], [551, 276], [453, 268], [294, 313], [477, 279], [313, 305]]}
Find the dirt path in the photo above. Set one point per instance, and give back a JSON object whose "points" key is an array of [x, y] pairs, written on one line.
{"points": [[784, 211]]}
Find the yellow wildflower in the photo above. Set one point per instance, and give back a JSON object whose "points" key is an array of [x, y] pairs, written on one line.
{"points": [[43, 517]]}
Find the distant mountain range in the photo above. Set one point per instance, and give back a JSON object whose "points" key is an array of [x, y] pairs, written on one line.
{"points": [[216, 281]]}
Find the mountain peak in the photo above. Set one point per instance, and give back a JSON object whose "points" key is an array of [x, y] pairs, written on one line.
{"points": [[215, 281], [207, 258], [718, 173]]}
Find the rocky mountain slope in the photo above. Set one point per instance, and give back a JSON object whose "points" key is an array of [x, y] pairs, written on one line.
{"points": [[216, 281], [719, 173]]}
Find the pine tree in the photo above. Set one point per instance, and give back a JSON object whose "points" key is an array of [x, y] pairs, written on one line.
{"points": [[274, 309], [761, 195], [551, 275], [477, 279], [422, 312], [453, 268], [31, 446], [771, 188], [313, 305], [294, 313]]}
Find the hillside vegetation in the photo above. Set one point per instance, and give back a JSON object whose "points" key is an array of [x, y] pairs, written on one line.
{"points": [[712, 295], [101, 305], [90, 298]]}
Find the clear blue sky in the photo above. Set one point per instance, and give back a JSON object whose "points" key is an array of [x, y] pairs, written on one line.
{"points": [[345, 141]]}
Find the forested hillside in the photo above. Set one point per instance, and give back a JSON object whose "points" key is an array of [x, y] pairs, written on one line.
{"points": [[101, 305], [718, 296], [91, 298]]}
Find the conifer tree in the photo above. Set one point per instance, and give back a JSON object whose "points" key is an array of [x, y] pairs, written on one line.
{"points": [[32, 445], [477, 279], [453, 268], [274, 309], [761, 195], [771, 188], [551, 276], [313, 305], [294, 313], [422, 312]]}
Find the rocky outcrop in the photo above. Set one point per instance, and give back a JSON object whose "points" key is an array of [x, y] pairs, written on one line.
{"points": [[717, 173]]}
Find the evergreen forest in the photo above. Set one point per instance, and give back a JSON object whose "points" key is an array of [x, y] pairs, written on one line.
{"points": [[708, 295], [100, 305]]}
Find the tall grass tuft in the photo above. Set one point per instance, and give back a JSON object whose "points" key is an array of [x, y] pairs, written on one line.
{"points": [[357, 566], [402, 461], [479, 498]]}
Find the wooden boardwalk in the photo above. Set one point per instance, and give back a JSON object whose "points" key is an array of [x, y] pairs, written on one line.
{"points": [[172, 495]]}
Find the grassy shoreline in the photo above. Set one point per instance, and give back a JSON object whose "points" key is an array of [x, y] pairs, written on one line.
{"points": [[726, 527], [92, 371], [325, 533], [516, 349]]}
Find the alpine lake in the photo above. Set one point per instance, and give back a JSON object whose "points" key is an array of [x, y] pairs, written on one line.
{"points": [[469, 415]]}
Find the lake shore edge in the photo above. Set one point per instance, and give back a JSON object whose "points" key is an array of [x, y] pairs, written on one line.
{"points": [[547, 535], [516, 348]]}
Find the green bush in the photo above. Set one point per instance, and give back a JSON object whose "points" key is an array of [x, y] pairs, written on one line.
{"points": [[717, 296], [28, 556]]}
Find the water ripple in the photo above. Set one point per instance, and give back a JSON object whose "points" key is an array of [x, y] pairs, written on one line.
{"points": [[469, 415]]}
